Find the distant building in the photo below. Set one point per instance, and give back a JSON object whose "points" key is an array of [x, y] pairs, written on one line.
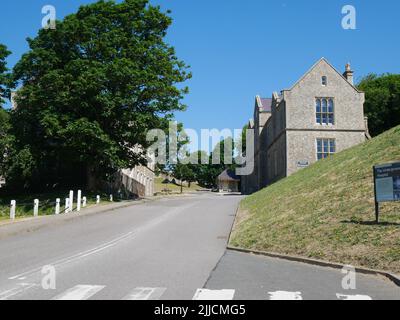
{"points": [[322, 114], [228, 181], [262, 113], [140, 180]]}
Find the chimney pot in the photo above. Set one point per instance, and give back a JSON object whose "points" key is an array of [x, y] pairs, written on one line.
{"points": [[349, 74]]}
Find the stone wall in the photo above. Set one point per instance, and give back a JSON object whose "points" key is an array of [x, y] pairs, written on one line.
{"points": [[302, 146]]}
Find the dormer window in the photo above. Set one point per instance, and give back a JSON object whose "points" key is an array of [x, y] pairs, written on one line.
{"points": [[324, 81]]}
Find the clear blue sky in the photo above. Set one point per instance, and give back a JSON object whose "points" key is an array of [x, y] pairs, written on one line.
{"points": [[238, 49]]}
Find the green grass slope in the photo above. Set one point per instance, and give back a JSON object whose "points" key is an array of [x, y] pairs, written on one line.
{"points": [[327, 211]]}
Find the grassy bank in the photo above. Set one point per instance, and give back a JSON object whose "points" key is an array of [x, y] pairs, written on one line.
{"points": [[327, 211], [162, 187]]}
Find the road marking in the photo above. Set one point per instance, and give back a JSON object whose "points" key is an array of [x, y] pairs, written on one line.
{"points": [[79, 292], [145, 294], [352, 297], [20, 288], [151, 224], [285, 295], [79, 255], [216, 295]]}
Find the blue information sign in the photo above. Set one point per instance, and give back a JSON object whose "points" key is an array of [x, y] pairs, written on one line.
{"points": [[387, 184]]}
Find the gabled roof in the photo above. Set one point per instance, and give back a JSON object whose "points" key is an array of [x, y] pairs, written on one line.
{"points": [[228, 175], [264, 104], [251, 124], [329, 64]]}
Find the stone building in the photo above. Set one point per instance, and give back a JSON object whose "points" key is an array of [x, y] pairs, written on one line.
{"points": [[320, 115], [262, 113], [228, 181], [140, 180]]}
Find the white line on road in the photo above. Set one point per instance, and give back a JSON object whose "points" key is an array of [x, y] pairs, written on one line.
{"points": [[20, 288], [285, 295], [145, 294], [79, 255], [352, 297], [112, 243], [79, 292], [216, 295]]}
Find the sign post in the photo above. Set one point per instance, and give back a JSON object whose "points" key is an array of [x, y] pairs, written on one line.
{"points": [[386, 184]]}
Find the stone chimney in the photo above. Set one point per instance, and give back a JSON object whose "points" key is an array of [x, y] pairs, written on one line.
{"points": [[349, 74]]}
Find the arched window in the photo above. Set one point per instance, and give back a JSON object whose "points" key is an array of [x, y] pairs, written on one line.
{"points": [[325, 111]]}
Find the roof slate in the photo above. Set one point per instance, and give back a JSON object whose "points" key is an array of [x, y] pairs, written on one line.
{"points": [[266, 104], [228, 175]]}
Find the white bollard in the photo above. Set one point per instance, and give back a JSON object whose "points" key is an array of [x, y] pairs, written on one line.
{"points": [[36, 207], [58, 206], [12, 209], [84, 201], [71, 201], [111, 198], [79, 201], [97, 199], [67, 205]]}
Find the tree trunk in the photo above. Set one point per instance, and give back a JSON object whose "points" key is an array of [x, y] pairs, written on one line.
{"points": [[93, 182], [181, 186]]}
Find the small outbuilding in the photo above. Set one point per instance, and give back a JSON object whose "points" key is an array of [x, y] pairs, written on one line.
{"points": [[228, 181]]}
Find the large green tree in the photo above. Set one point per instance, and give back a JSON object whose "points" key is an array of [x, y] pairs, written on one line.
{"points": [[92, 88], [206, 174], [382, 101], [5, 138], [183, 172], [4, 75]]}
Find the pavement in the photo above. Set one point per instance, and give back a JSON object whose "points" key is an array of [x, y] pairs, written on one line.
{"points": [[168, 249], [256, 277]]}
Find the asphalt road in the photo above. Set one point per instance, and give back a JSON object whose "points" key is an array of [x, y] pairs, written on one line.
{"points": [[161, 249], [166, 249], [262, 278]]}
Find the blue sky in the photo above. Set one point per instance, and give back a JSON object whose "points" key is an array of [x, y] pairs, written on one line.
{"points": [[238, 49]]}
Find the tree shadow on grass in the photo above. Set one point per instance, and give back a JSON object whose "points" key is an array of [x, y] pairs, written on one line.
{"points": [[371, 223]]}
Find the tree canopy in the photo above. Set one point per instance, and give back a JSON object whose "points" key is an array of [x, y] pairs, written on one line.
{"points": [[4, 115], [382, 101], [92, 88], [4, 75]]}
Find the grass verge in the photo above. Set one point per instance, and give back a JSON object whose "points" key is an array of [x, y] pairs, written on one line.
{"points": [[327, 211], [47, 202], [173, 188]]}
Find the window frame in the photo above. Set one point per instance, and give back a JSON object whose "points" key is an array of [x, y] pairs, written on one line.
{"points": [[321, 115], [329, 153]]}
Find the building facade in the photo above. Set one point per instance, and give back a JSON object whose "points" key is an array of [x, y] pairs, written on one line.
{"points": [[322, 114], [140, 180], [228, 181]]}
